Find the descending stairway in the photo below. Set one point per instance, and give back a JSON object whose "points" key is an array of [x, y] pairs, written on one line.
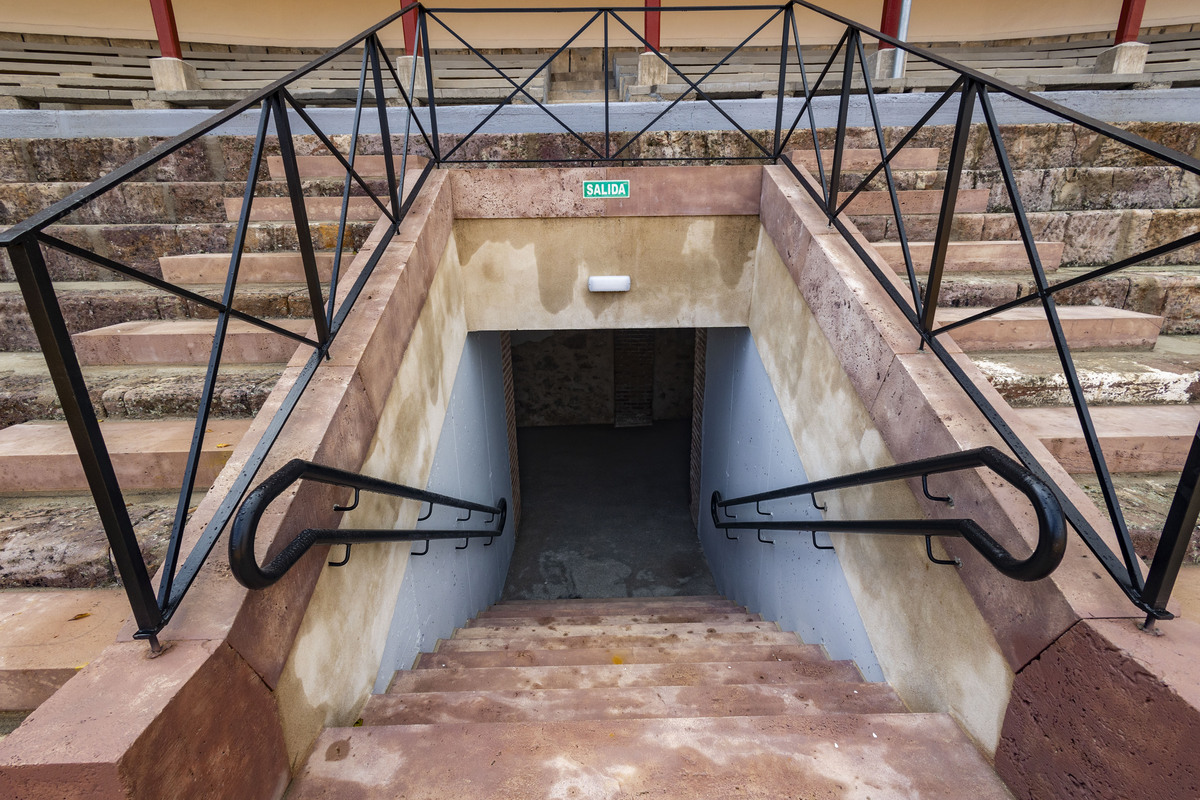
{"points": [[1133, 335], [631, 697]]}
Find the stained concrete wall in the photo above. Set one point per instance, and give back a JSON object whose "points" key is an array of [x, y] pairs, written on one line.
{"points": [[444, 588], [747, 448]]}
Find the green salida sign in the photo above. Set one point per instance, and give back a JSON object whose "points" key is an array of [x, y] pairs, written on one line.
{"points": [[605, 190]]}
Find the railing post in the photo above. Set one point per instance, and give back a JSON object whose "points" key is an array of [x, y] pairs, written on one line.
{"points": [[835, 175], [385, 131], [783, 59], [287, 149], [954, 170], [33, 277], [423, 29], [1176, 536]]}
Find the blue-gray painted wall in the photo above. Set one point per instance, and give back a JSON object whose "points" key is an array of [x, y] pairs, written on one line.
{"points": [[446, 587], [747, 448]]}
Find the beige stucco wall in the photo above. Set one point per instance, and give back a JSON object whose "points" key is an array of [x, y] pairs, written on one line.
{"points": [[337, 651], [935, 648], [310, 24]]}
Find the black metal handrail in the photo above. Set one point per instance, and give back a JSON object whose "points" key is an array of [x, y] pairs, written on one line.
{"points": [[1052, 527], [245, 566], [276, 104]]}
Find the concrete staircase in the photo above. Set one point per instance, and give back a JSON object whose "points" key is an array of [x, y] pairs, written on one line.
{"points": [[630, 697], [1133, 335]]}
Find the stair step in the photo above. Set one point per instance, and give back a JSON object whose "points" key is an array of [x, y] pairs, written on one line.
{"points": [[915, 201], [560, 630], [692, 636], [615, 654], [322, 209], [40, 456], [553, 705], [185, 341], [885, 755], [1085, 327], [611, 619], [1133, 438], [866, 159], [58, 542], [46, 637], [618, 605], [973, 256], [598, 676], [202, 268], [367, 167], [133, 392], [1035, 378]]}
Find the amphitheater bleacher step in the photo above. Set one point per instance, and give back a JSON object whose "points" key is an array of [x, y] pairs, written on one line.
{"points": [[1133, 438], [915, 201], [211, 268], [1086, 327], [743, 720], [861, 159], [323, 209], [147, 455], [311, 167], [185, 341], [998, 256]]}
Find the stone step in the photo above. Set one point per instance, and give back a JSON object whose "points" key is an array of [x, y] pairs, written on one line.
{"points": [[689, 612], [865, 159], [1085, 327], [47, 636], [1133, 438], [40, 456], [185, 342], [884, 755], [615, 605], [1168, 374], [554, 705], [1145, 500], [367, 167], [616, 654], [279, 209], [599, 676], [915, 201], [132, 392], [559, 630], [611, 619], [88, 305], [684, 635], [140, 246], [58, 541], [973, 256], [204, 268]]}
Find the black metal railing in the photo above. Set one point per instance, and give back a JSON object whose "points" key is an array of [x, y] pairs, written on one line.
{"points": [[1052, 529], [250, 574], [380, 84]]}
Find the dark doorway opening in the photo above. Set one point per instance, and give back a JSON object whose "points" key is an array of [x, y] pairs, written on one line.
{"points": [[604, 441]]}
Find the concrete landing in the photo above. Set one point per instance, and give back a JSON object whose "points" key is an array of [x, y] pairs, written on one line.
{"points": [[890, 755], [254, 267], [41, 456], [973, 256], [46, 636], [1086, 327], [1133, 438], [185, 341]]}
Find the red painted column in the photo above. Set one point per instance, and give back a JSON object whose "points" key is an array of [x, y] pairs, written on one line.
{"points": [[164, 24], [653, 25], [890, 24], [1131, 20], [409, 20]]}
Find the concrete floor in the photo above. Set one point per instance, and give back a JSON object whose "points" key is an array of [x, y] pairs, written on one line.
{"points": [[604, 513]]}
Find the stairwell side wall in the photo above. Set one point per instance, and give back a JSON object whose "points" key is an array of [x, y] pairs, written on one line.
{"points": [[934, 647]]}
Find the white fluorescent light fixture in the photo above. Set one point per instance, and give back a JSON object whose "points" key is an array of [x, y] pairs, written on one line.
{"points": [[608, 283]]}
